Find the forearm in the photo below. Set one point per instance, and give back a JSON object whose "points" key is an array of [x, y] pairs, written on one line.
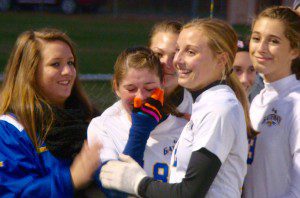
{"points": [[202, 169], [138, 136]]}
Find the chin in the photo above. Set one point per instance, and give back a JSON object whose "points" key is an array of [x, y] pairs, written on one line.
{"points": [[182, 82]]}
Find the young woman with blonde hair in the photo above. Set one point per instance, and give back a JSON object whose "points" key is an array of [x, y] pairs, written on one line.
{"points": [[209, 158]]}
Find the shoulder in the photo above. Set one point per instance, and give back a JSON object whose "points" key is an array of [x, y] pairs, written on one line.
{"points": [[11, 129], [113, 111], [10, 121], [111, 116], [14, 136], [219, 100], [294, 92]]}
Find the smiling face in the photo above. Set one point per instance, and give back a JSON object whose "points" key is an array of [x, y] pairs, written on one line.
{"points": [[270, 50], [56, 72], [163, 44], [195, 62], [136, 83], [244, 69]]}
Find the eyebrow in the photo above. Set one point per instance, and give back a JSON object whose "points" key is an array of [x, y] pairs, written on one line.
{"points": [[271, 35], [147, 83], [194, 47], [58, 58]]}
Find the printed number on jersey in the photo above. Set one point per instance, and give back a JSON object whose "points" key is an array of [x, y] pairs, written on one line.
{"points": [[161, 172]]}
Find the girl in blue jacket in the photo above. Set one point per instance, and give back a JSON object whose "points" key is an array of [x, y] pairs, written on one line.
{"points": [[43, 119]]}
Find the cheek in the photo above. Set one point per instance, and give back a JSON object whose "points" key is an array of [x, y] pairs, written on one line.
{"points": [[252, 78], [252, 49], [127, 98], [74, 72]]}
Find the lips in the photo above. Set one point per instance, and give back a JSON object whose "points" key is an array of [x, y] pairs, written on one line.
{"points": [[183, 73], [64, 82], [262, 59]]}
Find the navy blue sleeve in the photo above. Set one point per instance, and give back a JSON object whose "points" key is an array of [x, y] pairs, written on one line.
{"points": [[139, 133], [21, 172]]}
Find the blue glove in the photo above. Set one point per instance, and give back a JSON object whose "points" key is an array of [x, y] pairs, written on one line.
{"points": [[145, 117]]}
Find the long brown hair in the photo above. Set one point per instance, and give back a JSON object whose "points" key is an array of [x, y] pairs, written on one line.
{"points": [[20, 94], [223, 39], [291, 21]]}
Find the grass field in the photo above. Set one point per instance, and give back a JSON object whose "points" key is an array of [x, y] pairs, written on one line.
{"points": [[99, 40]]}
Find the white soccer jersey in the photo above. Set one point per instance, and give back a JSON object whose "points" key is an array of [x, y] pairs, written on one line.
{"points": [[112, 130], [217, 124], [275, 113]]}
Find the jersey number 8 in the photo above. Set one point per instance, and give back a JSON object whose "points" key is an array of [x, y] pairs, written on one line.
{"points": [[161, 172]]}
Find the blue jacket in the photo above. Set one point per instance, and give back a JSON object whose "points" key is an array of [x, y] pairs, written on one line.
{"points": [[26, 171]]}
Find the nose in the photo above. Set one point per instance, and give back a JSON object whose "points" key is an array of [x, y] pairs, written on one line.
{"points": [[244, 78], [178, 60], [262, 46], [142, 95], [67, 70]]}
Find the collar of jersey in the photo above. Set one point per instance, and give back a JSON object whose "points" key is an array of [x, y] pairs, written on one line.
{"points": [[282, 85], [196, 93]]}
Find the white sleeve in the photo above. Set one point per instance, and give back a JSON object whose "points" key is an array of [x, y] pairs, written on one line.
{"points": [[294, 128], [217, 132], [96, 133]]}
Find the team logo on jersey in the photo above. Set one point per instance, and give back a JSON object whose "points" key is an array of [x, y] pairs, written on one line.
{"points": [[272, 119], [169, 149]]}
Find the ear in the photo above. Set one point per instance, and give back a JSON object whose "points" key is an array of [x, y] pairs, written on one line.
{"points": [[295, 53], [221, 60], [115, 86]]}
